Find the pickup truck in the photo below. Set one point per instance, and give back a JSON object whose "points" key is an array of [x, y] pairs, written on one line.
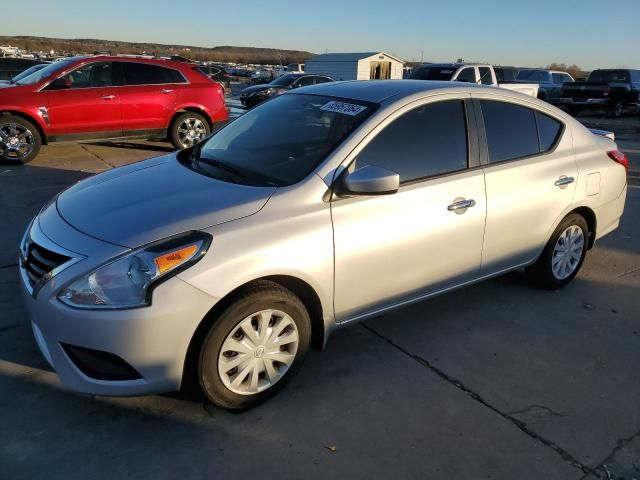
{"points": [[471, 73], [549, 82], [613, 90]]}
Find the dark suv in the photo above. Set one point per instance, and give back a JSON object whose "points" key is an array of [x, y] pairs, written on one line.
{"points": [[102, 97], [252, 96]]}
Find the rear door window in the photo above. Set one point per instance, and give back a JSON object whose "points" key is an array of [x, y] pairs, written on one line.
{"points": [[426, 141], [146, 74], [467, 75], [511, 130]]}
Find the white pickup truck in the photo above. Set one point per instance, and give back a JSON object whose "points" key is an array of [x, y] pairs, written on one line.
{"points": [[471, 73]]}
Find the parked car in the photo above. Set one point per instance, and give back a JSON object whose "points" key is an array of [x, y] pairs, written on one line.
{"points": [[295, 68], [262, 76], [222, 264], [549, 82], [252, 96], [107, 97], [469, 73], [612, 90], [24, 74], [10, 67], [218, 74]]}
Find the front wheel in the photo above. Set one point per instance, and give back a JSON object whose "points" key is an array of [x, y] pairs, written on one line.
{"points": [[254, 347], [188, 129], [563, 255], [19, 139]]}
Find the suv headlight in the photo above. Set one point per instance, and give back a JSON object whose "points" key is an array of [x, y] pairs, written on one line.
{"points": [[127, 281]]}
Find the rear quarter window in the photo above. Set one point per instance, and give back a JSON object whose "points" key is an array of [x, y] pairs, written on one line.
{"points": [[549, 131]]}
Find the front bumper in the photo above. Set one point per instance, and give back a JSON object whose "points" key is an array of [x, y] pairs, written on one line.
{"points": [[153, 340]]}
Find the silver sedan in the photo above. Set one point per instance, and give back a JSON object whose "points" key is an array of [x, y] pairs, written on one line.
{"points": [[222, 264]]}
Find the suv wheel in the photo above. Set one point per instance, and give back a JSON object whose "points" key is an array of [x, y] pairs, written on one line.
{"points": [[563, 256], [254, 347], [188, 129], [19, 139]]}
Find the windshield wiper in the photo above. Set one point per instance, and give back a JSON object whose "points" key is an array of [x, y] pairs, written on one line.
{"points": [[222, 166], [196, 158]]}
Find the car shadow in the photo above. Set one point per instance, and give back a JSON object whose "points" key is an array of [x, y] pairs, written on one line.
{"points": [[154, 147]]}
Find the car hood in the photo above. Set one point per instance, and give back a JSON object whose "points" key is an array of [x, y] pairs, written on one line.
{"points": [[259, 88], [154, 199]]}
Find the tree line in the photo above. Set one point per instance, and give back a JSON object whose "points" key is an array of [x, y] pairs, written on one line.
{"points": [[229, 54]]}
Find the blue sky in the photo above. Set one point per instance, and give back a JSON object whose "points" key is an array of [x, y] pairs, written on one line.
{"points": [[590, 33]]}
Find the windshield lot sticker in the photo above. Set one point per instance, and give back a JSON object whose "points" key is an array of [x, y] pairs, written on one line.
{"points": [[344, 108]]}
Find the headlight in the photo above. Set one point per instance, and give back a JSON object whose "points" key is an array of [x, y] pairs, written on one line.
{"points": [[127, 281], [263, 93]]}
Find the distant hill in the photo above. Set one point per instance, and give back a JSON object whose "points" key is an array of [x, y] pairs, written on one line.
{"points": [[220, 54]]}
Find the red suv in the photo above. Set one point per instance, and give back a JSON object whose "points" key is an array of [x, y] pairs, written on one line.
{"points": [[102, 97]]}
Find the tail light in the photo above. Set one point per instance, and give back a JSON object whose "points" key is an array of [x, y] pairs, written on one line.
{"points": [[621, 158]]}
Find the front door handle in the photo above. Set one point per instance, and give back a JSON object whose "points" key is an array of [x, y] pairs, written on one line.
{"points": [[108, 97], [166, 90], [460, 205], [563, 181]]}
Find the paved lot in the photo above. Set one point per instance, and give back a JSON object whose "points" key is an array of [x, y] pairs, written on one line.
{"points": [[495, 381]]}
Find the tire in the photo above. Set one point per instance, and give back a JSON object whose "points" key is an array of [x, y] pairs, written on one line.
{"points": [[188, 129], [239, 386], [20, 140], [543, 273], [616, 110]]}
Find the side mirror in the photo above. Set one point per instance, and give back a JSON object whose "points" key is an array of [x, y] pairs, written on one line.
{"points": [[369, 180], [60, 84]]}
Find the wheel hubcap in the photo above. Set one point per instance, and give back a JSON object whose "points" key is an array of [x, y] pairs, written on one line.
{"points": [[191, 131], [258, 352], [16, 141], [568, 252]]}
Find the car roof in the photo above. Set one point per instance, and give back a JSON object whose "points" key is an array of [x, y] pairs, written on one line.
{"points": [[377, 91], [136, 59]]}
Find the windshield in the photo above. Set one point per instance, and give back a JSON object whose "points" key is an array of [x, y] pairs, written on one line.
{"points": [[284, 80], [433, 73], [533, 75], [280, 142], [606, 76], [28, 72], [38, 76]]}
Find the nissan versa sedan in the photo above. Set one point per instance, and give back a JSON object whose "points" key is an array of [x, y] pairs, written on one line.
{"points": [[223, 263]]}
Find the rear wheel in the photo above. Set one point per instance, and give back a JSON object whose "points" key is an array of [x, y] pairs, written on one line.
{"points": [[254, 347], [19, 139], [616, 110], [563, 255], [188, 129]]}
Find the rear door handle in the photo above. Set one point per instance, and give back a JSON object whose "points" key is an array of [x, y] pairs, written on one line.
{"points": [[166, 90], [460, 205], [108, 97], [563, 181]]}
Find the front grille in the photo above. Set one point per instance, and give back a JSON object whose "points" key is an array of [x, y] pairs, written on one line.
{"points": [[40, 262]]}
